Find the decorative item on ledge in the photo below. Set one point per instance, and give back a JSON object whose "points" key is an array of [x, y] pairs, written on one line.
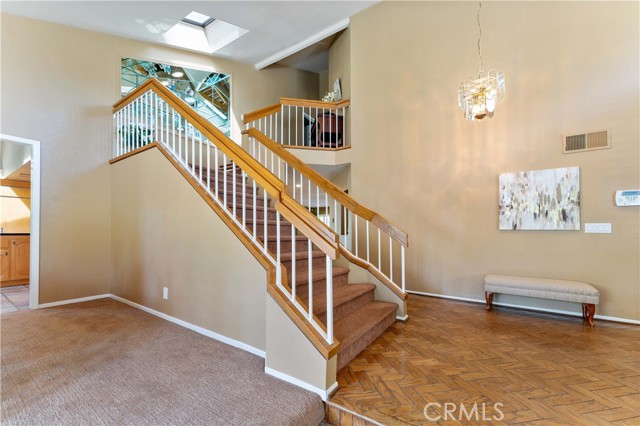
{"points": [[478, 96]]}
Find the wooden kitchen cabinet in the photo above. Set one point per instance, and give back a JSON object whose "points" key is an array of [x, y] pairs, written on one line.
{"points": [[14, 259]]}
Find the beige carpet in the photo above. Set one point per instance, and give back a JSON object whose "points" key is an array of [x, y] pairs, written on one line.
{"points": [[105, 363]]}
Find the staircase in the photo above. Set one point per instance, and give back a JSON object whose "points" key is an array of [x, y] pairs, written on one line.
{"points": [[358, 318], [263, 193]]}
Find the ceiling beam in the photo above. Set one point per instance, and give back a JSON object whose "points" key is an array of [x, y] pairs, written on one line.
{"points": [[339, 26]]}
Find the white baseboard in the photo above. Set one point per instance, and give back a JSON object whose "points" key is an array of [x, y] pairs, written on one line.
{"points": [[70, 301], [404, 318], [324, 394], [200, 330], [531, 308]]}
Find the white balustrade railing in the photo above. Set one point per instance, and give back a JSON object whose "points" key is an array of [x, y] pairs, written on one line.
{"points": [[147, 117], [372, 240], [301, 123]]}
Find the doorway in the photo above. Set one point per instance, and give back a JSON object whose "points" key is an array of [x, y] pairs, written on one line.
{"points": [[19, 223]]}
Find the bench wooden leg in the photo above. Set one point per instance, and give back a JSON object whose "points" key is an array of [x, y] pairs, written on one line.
{"points": [[489, 299], [590, 311]]}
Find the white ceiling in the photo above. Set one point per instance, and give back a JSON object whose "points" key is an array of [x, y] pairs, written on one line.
{"points": [[277, 29]]}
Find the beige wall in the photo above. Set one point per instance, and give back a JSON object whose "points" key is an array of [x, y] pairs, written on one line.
{"points": [[323, 83], [57, 86], [165, 235], [570, 67], [340, 63]]}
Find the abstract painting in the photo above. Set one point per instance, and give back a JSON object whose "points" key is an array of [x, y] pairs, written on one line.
{"points": [[540, 200]]}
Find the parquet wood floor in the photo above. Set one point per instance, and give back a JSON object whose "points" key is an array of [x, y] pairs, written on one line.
{"points": [[545, 369]]}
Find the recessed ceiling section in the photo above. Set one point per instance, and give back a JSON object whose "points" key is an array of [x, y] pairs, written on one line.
{"points": [[200, 32]]}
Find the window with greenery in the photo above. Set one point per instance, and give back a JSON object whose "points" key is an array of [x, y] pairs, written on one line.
{"points": [[209, 93]]}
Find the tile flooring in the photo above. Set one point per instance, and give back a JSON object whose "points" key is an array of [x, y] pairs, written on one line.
{"points": [[14, 298]]}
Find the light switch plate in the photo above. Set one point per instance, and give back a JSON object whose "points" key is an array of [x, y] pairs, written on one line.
{"points": [[165, 293], [597, 228]]}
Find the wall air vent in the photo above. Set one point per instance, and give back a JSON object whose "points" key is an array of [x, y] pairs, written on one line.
{"points": [[586, 141]]}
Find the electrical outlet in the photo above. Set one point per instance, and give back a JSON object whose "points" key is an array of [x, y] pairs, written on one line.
{"points": [[165, 293]]}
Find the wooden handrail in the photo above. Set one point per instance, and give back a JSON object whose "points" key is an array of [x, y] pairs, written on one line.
{"points": [[263, 112], [306, 103], [320, 235], [314, 104], [328, 186]]}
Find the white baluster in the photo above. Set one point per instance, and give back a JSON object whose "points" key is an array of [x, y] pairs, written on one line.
{"points": [[310, 272], [200, 154], [329, 270], [402, 266], [379, 253], [367, 222], [179, 135], [391, 259], [224, 179], [173, 128], [266, 227], [278, 241], [234, 189], [255, 213], [193, 150], [344, 127], [215, 176], [244, 199], [355, 233], [209, 165], [293, 262], [309, 193]]}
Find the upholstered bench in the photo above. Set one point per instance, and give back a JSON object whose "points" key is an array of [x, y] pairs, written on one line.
{"points": [[569, 291]]}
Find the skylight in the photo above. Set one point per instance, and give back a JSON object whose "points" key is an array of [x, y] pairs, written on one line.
{"points": [[202, 33], [197, 19]]}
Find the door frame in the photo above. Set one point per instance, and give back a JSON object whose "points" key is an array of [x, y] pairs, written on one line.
{"points": [[34, 255]]}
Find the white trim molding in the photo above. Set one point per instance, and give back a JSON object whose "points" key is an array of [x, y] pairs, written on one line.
{"points": [[284, 53], [70, 301], [530, 308], [200, 330], [324, 394]]}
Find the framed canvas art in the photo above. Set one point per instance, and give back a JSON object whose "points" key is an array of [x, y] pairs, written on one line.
{"points": [[540, 200]]}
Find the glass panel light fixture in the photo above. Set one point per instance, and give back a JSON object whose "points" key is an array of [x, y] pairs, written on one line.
{"points": [[478, 96]]}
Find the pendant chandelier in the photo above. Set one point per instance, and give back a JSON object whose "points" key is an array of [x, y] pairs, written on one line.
{"points": [[478, 96]]}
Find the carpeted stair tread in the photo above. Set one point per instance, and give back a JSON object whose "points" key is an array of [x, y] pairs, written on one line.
{"points": [[300, 255], [352, 327], [318, 274], [273, 237], [343, 296]]}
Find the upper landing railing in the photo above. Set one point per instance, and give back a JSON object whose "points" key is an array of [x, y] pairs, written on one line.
{"points": [[301, 123], [250, 198]]}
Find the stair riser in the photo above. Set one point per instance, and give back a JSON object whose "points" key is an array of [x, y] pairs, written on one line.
{"points": [[319, 286], [303, 264], [285, 246], [272, 214], [345, 309], [248, 202], [271, 229]]}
